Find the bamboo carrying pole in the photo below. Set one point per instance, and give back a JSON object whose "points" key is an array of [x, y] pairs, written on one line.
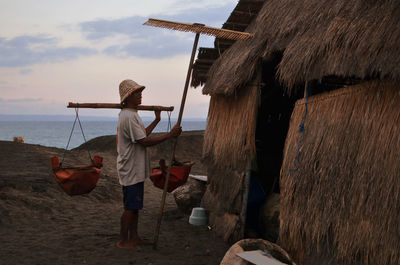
{"points": [[116, 106], [195, 28]]}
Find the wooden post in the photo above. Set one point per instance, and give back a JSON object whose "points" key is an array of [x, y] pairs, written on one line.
{"points": [[189, 72]]}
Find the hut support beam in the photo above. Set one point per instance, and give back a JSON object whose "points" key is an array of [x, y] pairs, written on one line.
{"points": [[246, 186]]}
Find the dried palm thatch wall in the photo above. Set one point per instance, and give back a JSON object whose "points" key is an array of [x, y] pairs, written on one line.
{"points": [[318, 38], [228, 144], [342, 206], [229, 139]]}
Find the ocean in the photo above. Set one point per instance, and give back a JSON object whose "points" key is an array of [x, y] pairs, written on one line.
{"points": [[56, 133]]}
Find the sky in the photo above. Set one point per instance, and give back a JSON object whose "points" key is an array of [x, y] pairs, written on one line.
{"points": [[53, 52]]}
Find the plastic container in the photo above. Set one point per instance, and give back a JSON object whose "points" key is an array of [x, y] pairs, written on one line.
{"points": [[198, 216]]}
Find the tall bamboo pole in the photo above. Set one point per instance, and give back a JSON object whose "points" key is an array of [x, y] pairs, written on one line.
{"points": [[175, 140]]}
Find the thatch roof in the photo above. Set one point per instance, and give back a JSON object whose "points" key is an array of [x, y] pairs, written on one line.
{"points": [[240, 18], [318, 38], [342, 206]]}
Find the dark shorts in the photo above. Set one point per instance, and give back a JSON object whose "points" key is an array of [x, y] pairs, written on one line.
{"points": [[133, 196]]}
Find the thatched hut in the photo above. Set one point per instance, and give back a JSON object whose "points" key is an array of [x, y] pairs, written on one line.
{"points": [[332, 67]]}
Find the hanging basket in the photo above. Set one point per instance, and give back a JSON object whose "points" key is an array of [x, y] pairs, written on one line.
{"points": [[178, 176], [77, 180]]}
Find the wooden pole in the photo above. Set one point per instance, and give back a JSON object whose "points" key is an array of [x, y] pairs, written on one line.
{"points": [[116, 106], [164, 195], [245, 198]]}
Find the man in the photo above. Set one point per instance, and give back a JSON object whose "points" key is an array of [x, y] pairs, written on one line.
{"points": [[132, 161]]}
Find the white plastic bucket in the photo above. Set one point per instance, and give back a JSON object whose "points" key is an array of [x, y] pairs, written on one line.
{"points": [[198, 216]]}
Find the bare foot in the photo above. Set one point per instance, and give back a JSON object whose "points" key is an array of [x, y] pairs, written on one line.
{"points": [[128, 245]]}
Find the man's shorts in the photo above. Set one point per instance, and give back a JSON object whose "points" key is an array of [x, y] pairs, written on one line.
{"points": [[133, 196]]}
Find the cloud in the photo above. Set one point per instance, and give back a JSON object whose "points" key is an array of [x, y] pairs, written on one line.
{"points": [[142, 41], [31, 106], [102, 28], [21, 100], [149, 42], [138, 40], [29, 50], [154, 46], [25, 71], [212, 15], [133, 26]]}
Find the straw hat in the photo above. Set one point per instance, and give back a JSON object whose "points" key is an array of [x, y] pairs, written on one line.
{"points": [[127, 87]]}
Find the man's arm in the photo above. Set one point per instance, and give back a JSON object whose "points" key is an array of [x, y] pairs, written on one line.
{"points": [[150, 141], [152, 125]]}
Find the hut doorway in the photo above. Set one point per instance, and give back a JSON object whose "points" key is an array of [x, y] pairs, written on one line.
{"points": [[273, 119]]}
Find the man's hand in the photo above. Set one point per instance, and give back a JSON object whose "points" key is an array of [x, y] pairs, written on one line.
{"points": [[176, 131], [150, 141]]}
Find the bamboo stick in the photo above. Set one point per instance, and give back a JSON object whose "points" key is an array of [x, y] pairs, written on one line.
{"points": [[175, 141], [116, 106]]}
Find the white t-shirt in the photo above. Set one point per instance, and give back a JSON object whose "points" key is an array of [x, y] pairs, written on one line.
{"points": [[133, 164]]}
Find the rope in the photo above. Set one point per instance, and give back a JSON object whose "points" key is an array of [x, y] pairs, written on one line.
{"points": [[169, 127], [70, 135], [166, 143], [83, 134], [69, 139], [302, 130]]}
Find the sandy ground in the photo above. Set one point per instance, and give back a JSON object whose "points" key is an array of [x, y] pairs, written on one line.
{"points": [[40, 224]]}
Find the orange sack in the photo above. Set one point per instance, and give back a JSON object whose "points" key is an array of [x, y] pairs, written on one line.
{"points": [[178, 176], [77, 180]]}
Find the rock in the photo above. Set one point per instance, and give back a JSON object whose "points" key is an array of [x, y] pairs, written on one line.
{"points": [[226, 226], [272, 251], [189, 195], [269, 217], [19, 139]]}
